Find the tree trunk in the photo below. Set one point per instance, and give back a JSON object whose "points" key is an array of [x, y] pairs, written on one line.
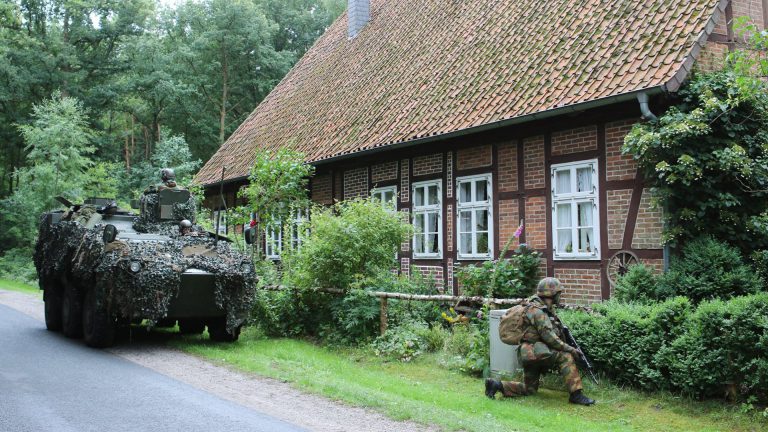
{"points": [[223, 107]]}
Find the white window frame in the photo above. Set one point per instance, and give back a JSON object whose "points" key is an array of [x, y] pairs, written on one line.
{"points": [[299, 217], [574, 198], [473, 206], [426, 209], [379, 192], [273, 241]]}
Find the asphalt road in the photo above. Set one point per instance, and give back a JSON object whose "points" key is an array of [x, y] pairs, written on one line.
{"points": [[50, 383]]}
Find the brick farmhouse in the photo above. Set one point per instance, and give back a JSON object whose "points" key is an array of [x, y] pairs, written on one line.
{"points": [[473, 116]]}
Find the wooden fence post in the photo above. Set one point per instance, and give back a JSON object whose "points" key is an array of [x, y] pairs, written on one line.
{"points": [[383, 317]]}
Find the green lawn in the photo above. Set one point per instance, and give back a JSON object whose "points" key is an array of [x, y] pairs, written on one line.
{"points": [[426, 393], [11, 285]]}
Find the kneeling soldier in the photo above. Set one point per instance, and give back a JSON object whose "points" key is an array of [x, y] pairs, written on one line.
{"points": [[542, 348]]}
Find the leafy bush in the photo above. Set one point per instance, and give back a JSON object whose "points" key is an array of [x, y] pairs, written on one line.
{"points": [[760, 260], [404, 343], [347, 243], [708, 269], [638, 285], [623, 339], [718, 349], [16, 264], [514, 277]]}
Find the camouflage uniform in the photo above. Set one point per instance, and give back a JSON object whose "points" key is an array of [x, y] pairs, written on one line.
{"points": [[541, 350]]}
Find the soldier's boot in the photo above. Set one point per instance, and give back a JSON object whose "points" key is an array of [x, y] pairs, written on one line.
{"points": [[580, 398], [492, 387]]}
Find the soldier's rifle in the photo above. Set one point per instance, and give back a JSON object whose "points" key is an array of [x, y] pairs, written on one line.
{"points": [[583, 361]]}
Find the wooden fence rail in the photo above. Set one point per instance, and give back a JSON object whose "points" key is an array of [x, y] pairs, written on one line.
{"points": [[384, 296]]}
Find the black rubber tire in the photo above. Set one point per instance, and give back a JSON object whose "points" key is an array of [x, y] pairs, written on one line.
{"points": [[52, 298], [99, 327], [71, 313], [217, 330], [191, 326]]}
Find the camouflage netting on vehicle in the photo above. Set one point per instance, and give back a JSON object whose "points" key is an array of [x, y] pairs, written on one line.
{"points": [[148, 292], [150, 222]]}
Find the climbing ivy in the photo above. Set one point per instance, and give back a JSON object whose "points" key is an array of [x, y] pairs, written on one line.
{"points": [[707, 156]]}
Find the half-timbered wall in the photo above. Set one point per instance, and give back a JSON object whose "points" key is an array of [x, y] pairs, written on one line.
{"points": [[519, 162]]}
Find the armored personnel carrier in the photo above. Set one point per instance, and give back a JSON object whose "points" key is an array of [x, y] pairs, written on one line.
{"points": [[102, 268]]}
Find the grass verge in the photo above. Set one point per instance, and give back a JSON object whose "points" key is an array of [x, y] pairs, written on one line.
{"points": [[11, 285], [429, 394]]}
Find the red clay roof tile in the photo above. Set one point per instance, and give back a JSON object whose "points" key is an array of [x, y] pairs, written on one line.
{"points": [[425, 68]]}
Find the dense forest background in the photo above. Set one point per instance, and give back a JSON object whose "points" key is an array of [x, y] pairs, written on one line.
{"points": [[97, 95]]}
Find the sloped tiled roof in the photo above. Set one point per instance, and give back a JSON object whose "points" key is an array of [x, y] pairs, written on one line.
{"points": [[433, 67]]}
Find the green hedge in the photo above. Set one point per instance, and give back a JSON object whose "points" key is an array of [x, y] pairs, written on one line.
{"points": [[719, 348]]}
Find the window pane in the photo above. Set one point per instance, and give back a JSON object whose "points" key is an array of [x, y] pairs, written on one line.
{"points": [[563, 215], [563, 181], [418, 222], [481, 220], [432, 195], [465, 243], [432, 222], [389, 196], [586, 212], [584, 179], [586, 240], [465, 192], [418, 197], [482, 243], [465, 221], [564, 241], [418, 246], [481, 190], [432, 245]]}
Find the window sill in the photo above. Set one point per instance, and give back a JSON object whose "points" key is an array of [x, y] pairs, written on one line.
{"points": [[473, 257], [427, 257], [576, 258]]}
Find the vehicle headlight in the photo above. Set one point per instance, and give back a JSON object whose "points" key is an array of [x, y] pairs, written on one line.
{"points": [[135, 266], [247, 268]]}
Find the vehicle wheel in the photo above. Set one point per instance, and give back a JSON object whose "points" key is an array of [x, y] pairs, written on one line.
{"points": [[217, 329], [191, 326], [71, 313], [52, 299], [99, 327]]}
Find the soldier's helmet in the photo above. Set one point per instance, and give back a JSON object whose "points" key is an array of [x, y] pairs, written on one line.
{"points": [[549, 287], [167, 174]]}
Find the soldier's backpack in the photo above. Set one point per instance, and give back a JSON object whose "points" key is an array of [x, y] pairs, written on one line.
{"points": [[513, 324]]}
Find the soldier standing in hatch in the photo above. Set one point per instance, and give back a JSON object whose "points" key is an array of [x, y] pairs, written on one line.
{"points": [[542, 348]]}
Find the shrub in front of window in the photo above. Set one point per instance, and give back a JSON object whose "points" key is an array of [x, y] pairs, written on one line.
{"points": [[514, 277]]}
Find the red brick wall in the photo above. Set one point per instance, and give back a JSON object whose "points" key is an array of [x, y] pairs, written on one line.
{"points": [[533, 152], [507, 167], [618, 166], [430, 164], [406, 215], [320, 185], [649, 225], [509, 220], [405, 266], [580, 286], [384, 172], [405, 186], [712, 57], [356, 183], [432, 272], [618, 209], [536, 222], [474, 157], [753, 9], [574, 140], [451, 286]]}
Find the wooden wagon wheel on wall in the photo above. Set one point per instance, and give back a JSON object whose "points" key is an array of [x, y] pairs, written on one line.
{"points": [[619, 265]]}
